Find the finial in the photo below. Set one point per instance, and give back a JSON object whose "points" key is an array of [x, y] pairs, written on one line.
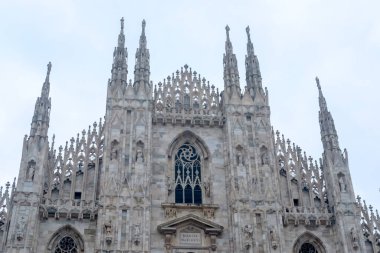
{"points": [[122, 24], [317, 81], [248, 34], [228, 32]]}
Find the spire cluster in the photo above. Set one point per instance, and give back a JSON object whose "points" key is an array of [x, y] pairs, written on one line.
{"points": [[118, 84]]}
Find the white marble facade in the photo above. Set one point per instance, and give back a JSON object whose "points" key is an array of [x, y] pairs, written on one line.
{"points": [[180, 166]]}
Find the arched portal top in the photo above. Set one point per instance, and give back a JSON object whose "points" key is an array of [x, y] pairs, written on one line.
{"points": [[67, 235], [310, 240]]}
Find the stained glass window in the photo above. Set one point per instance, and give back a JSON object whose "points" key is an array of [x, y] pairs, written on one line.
{"points": [[66, 245], [188, 175], [308, 248]]}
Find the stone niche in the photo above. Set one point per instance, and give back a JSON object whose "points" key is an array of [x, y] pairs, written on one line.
{"points": [[190, 233]]}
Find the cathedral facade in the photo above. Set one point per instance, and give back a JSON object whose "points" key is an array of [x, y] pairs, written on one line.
{"points": [[181, 167]]}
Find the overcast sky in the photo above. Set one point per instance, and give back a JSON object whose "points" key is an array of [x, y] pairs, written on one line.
{"points": [[295, 40]]}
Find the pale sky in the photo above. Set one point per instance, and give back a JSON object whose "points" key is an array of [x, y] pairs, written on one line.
{"points": [[295, 40]]}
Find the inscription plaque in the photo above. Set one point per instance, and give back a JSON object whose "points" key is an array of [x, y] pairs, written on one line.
{"points": [[190, 238]]}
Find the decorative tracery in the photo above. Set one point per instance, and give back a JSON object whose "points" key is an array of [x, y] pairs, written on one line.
{"points": [[188, 175], [66, 245], [185, 95]]}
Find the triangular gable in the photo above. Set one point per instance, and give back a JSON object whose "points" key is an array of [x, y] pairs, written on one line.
{"points": [[196, 221]]}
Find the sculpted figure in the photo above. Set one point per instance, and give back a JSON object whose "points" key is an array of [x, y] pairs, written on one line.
{"points": [[206, 185], [248, 236], [114, 150], [273, 238], [169, 185], [20, 228], [354, 238], [239, 158], [30, 171], [342, 184], [265, 159], [248, 232], [139, 155]]}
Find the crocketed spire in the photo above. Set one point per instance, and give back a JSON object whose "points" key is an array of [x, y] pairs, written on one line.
{"points": [[253, 75], [231, 72], [329, 135], [120, 55], [41, 116], [142, 67]]}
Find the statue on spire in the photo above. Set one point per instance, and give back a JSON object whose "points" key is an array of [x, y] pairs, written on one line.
{"points": [[317, 81], [48, 69], [46, 85], [248, 33], [143, 27], [228, 32], [122, 24]]}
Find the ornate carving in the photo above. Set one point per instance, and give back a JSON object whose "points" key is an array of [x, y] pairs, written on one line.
{"points": [[139, 155], [187, 96], [209, 213], [114, 150], [273, 238], [169, 184], [248, 236], [168, 242], [136, 234], [108, 232], [170, 212]]}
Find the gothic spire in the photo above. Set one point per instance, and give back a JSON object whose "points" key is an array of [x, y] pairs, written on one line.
{"points": [[231, 73], [253, 74], [41, 116], [329, 135], [120, 55], [142, 68]]}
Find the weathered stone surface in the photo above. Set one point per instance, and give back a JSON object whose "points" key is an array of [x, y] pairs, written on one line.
{"points": [[189, 169]]}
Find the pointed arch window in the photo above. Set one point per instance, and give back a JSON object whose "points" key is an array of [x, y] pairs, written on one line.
{"points": [[188, 175]]}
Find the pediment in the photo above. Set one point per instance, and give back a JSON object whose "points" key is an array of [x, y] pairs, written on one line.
{"points": [[207, 226]]}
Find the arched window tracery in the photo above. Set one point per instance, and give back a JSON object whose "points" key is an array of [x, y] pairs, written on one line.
{"points": [[307, 248], [66, 245], [66, 240], [188, 176], [309, 243]]}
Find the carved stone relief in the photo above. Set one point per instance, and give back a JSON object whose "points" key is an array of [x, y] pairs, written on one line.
{"points": [[21, 227]]}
